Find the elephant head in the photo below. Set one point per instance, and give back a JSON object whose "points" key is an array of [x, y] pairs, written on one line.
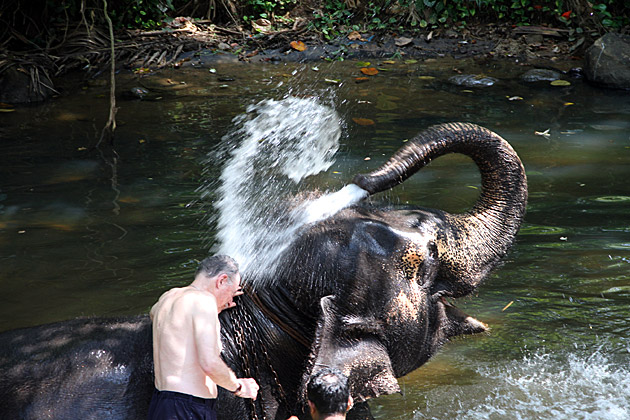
{"points": [[375, 281]]}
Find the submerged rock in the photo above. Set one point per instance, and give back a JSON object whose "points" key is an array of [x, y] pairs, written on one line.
{"points": [[607, 61], [540, 75], [138, 93], [472, 80]]}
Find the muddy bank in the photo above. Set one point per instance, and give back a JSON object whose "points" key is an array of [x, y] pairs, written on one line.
{"points": [[205, 45], [538, 46]]}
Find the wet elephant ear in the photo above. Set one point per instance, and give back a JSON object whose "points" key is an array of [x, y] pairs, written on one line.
{"points": [[352, 345]]}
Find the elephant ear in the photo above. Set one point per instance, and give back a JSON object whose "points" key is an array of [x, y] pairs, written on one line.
{"points": [[352, 345]]}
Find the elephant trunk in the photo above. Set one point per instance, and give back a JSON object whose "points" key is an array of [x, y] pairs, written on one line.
{"points": [[473, 242]]}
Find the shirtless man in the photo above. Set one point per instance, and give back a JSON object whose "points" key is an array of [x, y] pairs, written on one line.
{"points": [[187, 344]]}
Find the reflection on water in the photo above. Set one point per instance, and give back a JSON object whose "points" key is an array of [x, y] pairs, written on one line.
{"points": [[82, 236]]}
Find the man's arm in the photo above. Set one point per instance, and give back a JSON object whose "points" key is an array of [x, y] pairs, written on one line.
{"points": [[205, 322]]}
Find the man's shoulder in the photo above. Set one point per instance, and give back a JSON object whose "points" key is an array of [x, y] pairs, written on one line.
{"points": [[201, 301]]}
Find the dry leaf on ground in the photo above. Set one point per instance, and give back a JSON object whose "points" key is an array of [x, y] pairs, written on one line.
{"points": [[298, 45]]}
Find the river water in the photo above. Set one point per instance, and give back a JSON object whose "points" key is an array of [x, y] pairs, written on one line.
{"points": [[88, 231]]}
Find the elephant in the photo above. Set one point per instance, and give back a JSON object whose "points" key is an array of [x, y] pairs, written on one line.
{"points": [[365, 290]]}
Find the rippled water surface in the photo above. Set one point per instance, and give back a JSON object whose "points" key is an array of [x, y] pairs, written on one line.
{"points": [[87, 231]]}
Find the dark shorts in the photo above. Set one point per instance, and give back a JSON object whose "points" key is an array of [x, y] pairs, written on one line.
{"points": [[169, 405]]}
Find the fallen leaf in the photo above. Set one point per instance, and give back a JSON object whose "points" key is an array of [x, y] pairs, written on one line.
{"points": [[7, 109], [567, 14], [507, 306], [411, 61], [543, 133], [361, 79], [515, 98], [568, 103], [389, 62], [363, 64], [333, 81], [262, 25], [403, 41], [298, 45], [369, 71], [355, 36], [129, 199], [560, 83], [426, 77], [363, 121]]}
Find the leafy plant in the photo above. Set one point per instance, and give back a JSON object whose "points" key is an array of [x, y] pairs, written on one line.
{"points": [[266, 9]]}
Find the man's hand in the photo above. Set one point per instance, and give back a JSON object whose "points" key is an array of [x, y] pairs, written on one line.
{"points": [[249, 388]]}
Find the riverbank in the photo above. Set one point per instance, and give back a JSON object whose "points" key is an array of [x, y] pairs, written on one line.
{"points": [[187, 42], [541, 46]]}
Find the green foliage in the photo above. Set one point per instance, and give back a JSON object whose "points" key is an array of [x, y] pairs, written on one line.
{"points": [[611, 13], [373, 15], [143, 14], [38, 20], [266, 9], [332, 19]]}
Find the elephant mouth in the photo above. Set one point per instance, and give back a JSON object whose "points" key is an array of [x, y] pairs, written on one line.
{"points": [[455, 321]]}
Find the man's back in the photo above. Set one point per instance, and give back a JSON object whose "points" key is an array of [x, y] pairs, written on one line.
{"points": [[178, 317]]}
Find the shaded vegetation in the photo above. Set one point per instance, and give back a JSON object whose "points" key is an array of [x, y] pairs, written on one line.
{"points": [[48, 37]]}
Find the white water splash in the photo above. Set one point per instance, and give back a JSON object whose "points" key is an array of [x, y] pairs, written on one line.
{"points": [[274, 147], [329, 204], [541, 386]]}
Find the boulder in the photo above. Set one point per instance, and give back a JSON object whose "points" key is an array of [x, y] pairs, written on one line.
{"points": [[16, 87], [607, 61]]}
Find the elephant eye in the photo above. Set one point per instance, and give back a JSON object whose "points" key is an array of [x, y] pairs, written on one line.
{"points": [[410, 263]]}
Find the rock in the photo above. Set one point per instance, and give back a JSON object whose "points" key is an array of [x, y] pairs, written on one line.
{"points": [[607, 61], [534, 40], [135, 93], [16, 87], [540, 75], [472, 80]]}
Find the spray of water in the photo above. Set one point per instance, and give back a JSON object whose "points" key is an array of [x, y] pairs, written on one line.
{"points": [[543, 385], [274, 146]]}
